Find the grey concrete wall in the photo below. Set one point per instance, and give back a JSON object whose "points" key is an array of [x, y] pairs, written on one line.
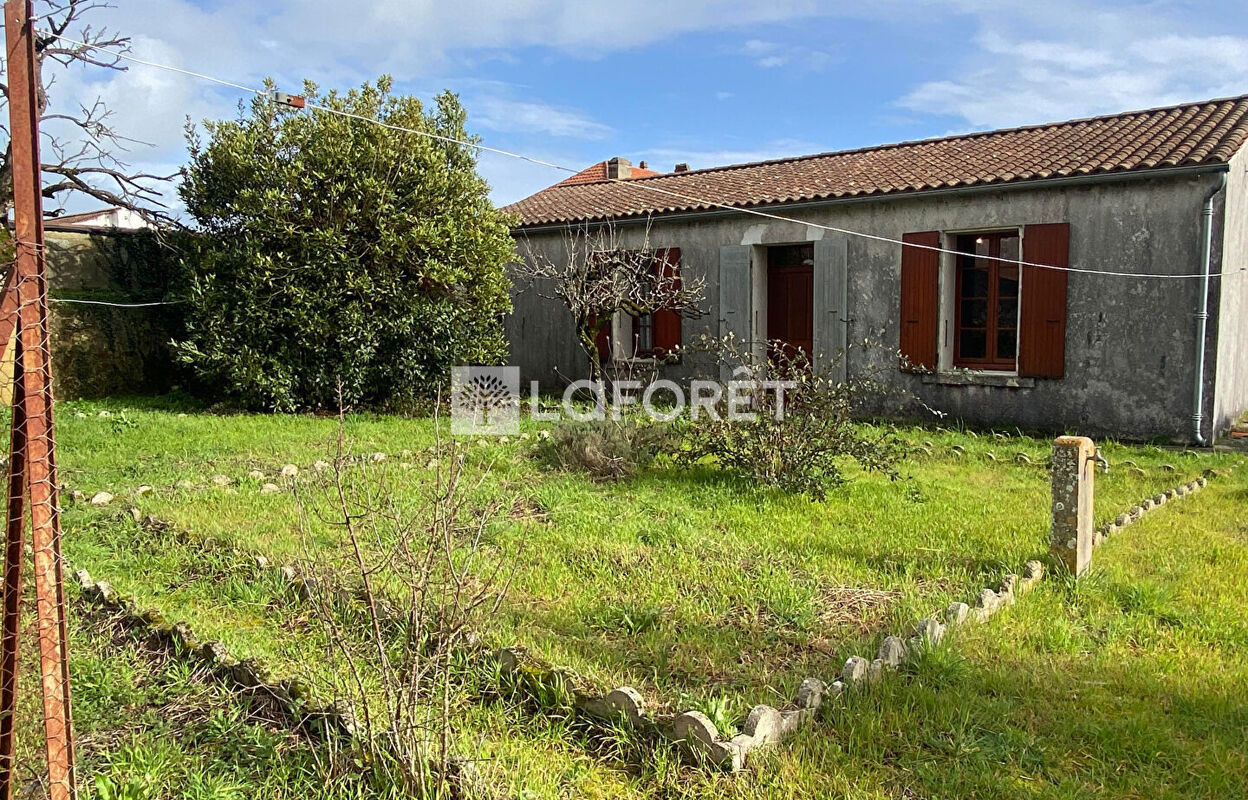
{"points": [[1231, 307], [1129, 343]]}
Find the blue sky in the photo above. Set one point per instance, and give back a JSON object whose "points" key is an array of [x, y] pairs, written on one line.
{"points": [[700, 81]]}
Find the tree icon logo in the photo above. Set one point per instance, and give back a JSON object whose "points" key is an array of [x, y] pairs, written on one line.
{"points": [[485, 400]]}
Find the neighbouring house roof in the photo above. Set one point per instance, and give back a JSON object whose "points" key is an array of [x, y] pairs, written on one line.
{"points": [[598, 172], [1191, 134]]}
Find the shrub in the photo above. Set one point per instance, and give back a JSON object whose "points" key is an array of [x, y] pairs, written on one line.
{"points": [[332, 251], [606, 450], [801, 440]]}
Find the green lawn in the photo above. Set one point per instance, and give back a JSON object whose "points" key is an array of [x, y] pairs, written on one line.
{"points": [[706, 592]]}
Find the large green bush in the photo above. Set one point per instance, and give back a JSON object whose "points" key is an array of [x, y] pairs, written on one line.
{"points": [[334, 251]]}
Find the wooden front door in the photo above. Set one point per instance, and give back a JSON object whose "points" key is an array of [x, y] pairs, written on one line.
{"points": [[791, 299]]}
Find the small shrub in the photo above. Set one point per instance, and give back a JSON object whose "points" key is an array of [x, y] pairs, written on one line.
{"points": [[800, 441], [606, 450]]}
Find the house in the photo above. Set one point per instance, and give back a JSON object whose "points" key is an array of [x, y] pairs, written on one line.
{"points": [[940, 249], [112, 218]]}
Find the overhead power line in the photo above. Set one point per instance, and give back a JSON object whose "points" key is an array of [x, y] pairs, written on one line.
{"points": [[646, 185]]}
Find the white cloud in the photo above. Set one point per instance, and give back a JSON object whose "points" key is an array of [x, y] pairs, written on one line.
{"points": [[499, 114], [772, 55], [1116, 62]]}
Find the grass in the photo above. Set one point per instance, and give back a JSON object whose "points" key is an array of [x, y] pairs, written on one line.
{"points": [[706, 592]]}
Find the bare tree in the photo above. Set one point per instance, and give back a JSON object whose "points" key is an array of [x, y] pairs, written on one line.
{"points": [[401, 576], [600, 277], [87, 159]]}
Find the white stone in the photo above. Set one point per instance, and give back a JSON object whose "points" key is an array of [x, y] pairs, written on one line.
{"points": [[289, 471], [695, 727], [764, 724], [101, 499], [854, 671], [221, 480], [628, 701], [956, 613], [378, 457], [256, 475], [892, 651], [320, 466], [810, 694], [929, 630], [270, 488]]}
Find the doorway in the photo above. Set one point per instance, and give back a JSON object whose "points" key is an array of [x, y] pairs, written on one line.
{"points": [[791, 300]]}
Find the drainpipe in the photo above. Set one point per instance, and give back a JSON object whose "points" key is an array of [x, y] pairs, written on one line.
{"points": [[1202, 316]]}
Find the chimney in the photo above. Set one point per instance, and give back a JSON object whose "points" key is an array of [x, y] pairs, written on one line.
{"points": [[681, 167], [620, 168], [643, 165]]}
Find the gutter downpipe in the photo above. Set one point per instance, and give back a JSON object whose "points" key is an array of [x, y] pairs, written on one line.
{"points": [[1202, 316]]}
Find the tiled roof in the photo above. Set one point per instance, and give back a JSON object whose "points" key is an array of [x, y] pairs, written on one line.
{"points": [[1191, 134], [598, 172]]}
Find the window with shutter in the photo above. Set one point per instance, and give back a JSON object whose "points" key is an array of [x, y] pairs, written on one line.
{"points": [[1001, 316], [985, 312], [920, 307], [657, 334]]}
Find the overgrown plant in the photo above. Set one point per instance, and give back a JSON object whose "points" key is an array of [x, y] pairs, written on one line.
{"points": [[399, 599], [331, 250], [800, 437], [607, 449], [600, 276]]}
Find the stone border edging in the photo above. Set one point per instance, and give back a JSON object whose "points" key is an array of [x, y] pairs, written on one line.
{"points": [[1137, 512], [894, 651], [693, 731], [290, 695]]}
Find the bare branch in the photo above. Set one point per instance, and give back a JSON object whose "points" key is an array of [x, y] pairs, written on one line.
{"points": [[87, 164], [599, 277]]}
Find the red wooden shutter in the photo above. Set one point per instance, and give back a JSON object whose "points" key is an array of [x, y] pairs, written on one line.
{"points": [[920, 300], [1042, 319], [603, 341], [665, 328]]}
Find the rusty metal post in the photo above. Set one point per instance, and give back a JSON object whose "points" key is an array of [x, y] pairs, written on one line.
{"points": [[1070, 534], [14, 559], [33, 421]]}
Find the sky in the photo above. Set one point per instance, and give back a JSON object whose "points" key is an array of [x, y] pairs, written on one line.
{"points": [[706, 82]]}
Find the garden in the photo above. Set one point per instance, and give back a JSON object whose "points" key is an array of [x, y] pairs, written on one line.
{"points": [[697, 587]]}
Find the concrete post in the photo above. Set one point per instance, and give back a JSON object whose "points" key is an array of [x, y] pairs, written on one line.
{"points": [[1070, 535]]}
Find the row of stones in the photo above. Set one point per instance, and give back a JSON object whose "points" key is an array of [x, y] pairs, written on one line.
{"points": [[290, 695], [1022, 458], [894, 651], [1136, 512], [284, 477], [765, 725], [333, 722], [694, 732]]}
